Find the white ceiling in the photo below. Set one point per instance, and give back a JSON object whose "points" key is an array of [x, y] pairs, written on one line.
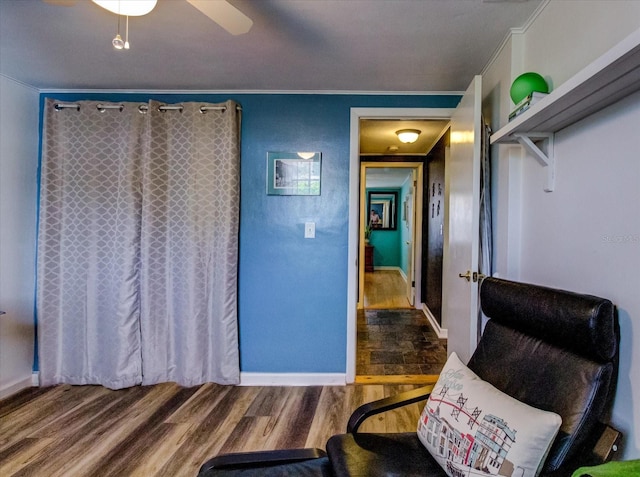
{"points": [[378, 136], [294, 45], [392, 177]]}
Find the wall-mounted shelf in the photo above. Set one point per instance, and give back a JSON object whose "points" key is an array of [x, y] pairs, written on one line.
{"points": [[613, 76]]}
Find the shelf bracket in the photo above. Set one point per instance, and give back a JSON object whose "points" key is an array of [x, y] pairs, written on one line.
{"points": [[545, 159]]}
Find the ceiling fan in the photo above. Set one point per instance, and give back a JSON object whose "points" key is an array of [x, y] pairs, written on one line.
{"points": [[220, 11]]}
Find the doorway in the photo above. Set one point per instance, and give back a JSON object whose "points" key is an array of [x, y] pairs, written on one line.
{"points": [[395, 314], [388, 216], [395, 343], [461, 221]]}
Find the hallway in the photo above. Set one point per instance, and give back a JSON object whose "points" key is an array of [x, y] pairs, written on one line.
{"points": [[395, 343]]}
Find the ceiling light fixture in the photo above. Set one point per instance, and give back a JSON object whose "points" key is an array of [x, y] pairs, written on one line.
{"points": [[408, 136], [127, 8]]}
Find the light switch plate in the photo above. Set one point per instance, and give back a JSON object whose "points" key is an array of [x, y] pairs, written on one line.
{"points": [[309, 230]]}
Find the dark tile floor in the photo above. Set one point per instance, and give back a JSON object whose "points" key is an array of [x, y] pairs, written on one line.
{"points": [[398, 342]]}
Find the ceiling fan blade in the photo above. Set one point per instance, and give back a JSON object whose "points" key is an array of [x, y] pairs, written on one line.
{"points": [[225, 15]]}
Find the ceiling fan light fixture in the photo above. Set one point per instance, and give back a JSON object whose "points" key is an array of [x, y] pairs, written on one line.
{"points": [[408, 136], [130, 8]]}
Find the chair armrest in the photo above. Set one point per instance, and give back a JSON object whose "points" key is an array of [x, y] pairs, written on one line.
{"points": [[260, 458], [387, 404], [606, 445], [600, 448]]}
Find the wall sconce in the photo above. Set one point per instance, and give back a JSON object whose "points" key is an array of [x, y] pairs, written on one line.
{"points": [[408, 136]]}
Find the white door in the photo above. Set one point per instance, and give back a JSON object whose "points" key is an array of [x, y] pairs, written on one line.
{"points": [[410, 243], [462, 217]]}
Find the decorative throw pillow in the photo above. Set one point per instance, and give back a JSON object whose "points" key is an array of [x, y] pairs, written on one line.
{"points": [[473, 429]]}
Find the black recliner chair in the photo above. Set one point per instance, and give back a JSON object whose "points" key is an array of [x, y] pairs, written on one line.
{"points": [[552, 349]]}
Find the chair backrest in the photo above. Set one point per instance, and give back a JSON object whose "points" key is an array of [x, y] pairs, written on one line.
{"points": [[554, 350]]}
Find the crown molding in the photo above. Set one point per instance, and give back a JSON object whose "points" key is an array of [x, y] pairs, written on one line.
{"points": [[21, 83], [512, 32], [249, 92]]}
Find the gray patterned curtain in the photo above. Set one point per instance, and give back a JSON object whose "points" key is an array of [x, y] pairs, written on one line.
{"points": [[137, 245], [189, 253]]}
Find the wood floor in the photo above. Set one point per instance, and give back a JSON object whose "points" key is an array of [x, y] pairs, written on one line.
{"points": [[166, 430], [385, 289]]}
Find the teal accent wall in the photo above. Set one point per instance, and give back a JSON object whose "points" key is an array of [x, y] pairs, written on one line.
{"points": [[386, 243], [292, 290]]}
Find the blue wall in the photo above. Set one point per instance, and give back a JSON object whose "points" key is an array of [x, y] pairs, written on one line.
{"points": [[293, 291]]}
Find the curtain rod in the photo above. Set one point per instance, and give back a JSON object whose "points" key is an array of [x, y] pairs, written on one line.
{"points": [[143, 108]]}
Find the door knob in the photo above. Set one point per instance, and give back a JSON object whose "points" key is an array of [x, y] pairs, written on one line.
{"points": [[475, 276]]}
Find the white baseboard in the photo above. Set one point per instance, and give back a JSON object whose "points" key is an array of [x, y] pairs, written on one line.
{"points": [[387, 267], [12, 388], [441, 332], [393, 268], [292, 379]]}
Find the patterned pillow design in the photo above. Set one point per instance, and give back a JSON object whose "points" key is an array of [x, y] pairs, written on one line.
{"points": [[474, 430]]}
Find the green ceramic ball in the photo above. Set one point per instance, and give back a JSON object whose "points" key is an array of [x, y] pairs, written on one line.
{"points": [[525, 84]]}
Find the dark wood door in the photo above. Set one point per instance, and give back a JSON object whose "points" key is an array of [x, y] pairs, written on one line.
{"points": [[433, 224]]}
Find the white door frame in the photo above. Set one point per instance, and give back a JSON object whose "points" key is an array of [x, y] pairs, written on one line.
{"points": [[354, 209], [414, 223]]}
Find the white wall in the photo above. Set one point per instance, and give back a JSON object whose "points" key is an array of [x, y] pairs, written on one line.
{"points": [[584, 236], [567, 36], [506, 167], [18, 170]]}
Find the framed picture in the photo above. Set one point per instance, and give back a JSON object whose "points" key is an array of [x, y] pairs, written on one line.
{"points": [[382, 207], [293, 173]]}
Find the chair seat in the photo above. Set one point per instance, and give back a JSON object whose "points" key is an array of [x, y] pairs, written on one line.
{"points": [[310, 468], [375, 455]]}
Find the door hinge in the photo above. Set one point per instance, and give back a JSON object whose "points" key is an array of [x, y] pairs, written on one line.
{"points": [[478, 277]]}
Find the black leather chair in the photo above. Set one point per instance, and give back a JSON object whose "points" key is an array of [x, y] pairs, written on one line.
{"points": [[552, 349]]}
